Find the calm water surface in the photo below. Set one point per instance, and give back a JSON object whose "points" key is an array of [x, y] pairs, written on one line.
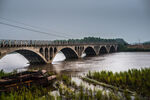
{"points": [[113, 62]]}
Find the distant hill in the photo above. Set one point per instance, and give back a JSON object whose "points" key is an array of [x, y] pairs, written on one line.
{"points": [[145, 43], [121, 41]]}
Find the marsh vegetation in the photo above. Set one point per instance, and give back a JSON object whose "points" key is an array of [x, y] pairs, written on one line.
{"points": [[134, 80], [66, 89]]}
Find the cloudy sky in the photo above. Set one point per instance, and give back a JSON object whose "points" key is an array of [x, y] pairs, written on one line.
{"points": [[62, 19]]}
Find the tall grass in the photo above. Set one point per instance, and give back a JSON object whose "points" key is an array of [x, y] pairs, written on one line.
{"points": [[66, 91], [24, 94], [134, 79], [88, 94]]}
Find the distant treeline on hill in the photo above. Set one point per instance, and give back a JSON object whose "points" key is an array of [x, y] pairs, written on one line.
{"points": [[147, 43], [95, 40]]}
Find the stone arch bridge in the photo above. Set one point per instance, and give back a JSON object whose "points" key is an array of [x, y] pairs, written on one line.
{"points": [[38, 53]]}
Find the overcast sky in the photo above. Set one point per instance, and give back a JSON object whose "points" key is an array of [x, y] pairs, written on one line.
{"points": [[128, 19]]}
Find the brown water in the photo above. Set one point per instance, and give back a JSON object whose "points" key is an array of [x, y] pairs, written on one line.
{"points": [[113, 62]]}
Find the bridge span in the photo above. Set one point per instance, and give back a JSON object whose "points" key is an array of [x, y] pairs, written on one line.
{"points": [[37, 52]]}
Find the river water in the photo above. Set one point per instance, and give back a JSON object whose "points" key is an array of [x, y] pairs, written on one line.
{"points": [[115, 62]]}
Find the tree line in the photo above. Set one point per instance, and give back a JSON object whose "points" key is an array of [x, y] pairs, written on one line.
{"points": [[95, 40]]}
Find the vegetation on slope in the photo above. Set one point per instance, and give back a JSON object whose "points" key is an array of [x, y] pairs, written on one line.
{"points": [[146, 43], [95, 40]]}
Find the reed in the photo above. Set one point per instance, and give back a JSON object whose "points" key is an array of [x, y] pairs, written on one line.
{"points": [[23, 94], [67, 90], [134, 80]]}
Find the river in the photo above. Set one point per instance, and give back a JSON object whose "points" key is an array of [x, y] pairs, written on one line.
{"points": [[115, 62]]}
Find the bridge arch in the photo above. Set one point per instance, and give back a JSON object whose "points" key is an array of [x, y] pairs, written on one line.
{"points": [[31, 55], [103, 50], [68, 52], [112, 49], [89, 51]]}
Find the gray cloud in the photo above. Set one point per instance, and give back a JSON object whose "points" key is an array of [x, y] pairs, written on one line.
{"points": [[128, 19]]}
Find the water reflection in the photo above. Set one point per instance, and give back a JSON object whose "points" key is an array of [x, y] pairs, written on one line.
{"points": [[113, 62], [59, 57], [13, 61]]}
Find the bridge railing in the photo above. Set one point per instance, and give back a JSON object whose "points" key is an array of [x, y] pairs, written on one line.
{"points": [[25, 43]]}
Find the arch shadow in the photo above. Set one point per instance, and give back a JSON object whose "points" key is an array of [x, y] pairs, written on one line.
{"points": [[112, 49], [46, 53], [31, 56], [41, 51], [90, 51], [103, 50], [69, 53], [51, 53]]}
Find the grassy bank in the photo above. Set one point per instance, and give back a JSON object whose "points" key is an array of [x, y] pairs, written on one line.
{"points": [[134, 80], [124, 48], [65, 93], [33, 93], [67, 90], [135, 50]]}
